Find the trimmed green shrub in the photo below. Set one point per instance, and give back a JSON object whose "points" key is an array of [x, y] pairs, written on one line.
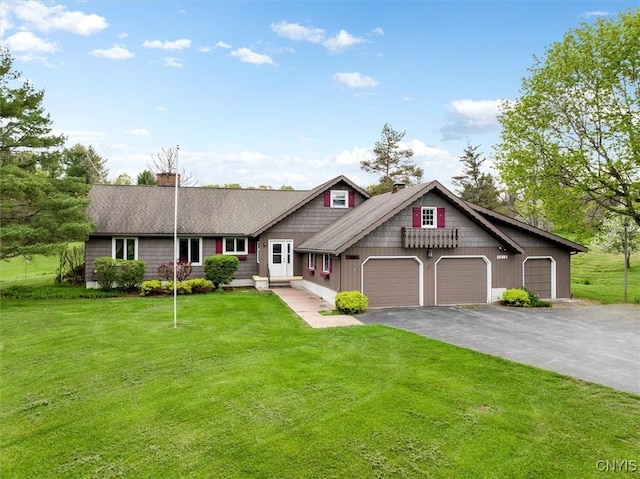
{"points": [[153, 287], [183, 287], [221, 269], [200, 285], [516, 297], [351, 302], [536, 302], [107, 271], [130, 274]]}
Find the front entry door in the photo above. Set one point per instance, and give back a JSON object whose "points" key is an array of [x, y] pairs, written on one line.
{"points": [[281, 257]]}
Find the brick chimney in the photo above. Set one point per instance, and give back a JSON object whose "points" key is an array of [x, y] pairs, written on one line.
{"points": [[167, 179]]}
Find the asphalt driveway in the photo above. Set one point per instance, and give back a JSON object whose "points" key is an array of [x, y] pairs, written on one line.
{"points": [[594, 343]]}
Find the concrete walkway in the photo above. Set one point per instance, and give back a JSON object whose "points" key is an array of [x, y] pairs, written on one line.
{"points": [[308, 306]]}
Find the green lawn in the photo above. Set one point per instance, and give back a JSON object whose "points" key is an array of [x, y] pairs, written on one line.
{"points": [[599, 277], [243, 388]]}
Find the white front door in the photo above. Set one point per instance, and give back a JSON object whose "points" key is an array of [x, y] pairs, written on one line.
{"points": [[281, 257]]}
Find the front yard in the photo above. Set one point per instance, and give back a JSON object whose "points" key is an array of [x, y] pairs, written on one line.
{"points": [[243, 388]]}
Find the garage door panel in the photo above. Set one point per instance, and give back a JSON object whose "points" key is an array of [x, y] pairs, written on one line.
{"points": [[537, 276], [392, 282], [461, 281]]}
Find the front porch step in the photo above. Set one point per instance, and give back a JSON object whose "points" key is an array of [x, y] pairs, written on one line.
{"points": [[263, 282]]}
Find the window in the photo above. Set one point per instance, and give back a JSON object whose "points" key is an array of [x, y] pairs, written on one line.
{"points": [[190, 250], [429, 217], [235, 246], [312, 262], [339, 199], [125, 248], [326, 265]]}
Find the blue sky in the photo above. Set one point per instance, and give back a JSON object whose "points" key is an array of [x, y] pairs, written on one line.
{"points": [[283, 92]]}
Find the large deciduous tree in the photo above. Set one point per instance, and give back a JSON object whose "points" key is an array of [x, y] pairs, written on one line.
{"points": [[41, 208], [473, 184], [570, 145], [392, 163]]}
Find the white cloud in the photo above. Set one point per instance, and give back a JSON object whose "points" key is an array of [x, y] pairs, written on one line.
{"points": [[205, 49], [5, 23], [596, 13], [84, 137], [115, 53], [28, 42], [174, 45], [342, 41], [172, 62], [297, 32], [247, 56], [377, 31], [355, 80], [353, 156], [140, 132], [471, 117], [224, 45], [161, 108], [122, 35], [42, 17]]}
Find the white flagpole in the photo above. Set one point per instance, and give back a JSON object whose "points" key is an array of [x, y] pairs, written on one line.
{"points": [[176, 252]]}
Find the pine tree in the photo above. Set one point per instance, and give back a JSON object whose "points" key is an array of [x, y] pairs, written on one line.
{"points": [[41, 209], [391, 163], [473, 184]]}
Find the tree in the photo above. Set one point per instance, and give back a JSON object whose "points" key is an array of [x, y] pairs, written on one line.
{"points": [[84, 162], [41, 209], [611, 237], [473, 184], [166, 161], [570, 145], [392, 163], [146, 178], [122, 179]]}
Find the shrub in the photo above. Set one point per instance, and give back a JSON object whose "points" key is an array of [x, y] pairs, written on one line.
{"points": [[153, 287], [107, 271], [221, 269], [200, 285], [130, 274], [351, 302], [183, 270], [183, 287], [536, 302], [516, 297]]}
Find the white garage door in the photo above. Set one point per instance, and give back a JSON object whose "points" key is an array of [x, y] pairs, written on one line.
{"points": [[391, 282], [461, 281]]}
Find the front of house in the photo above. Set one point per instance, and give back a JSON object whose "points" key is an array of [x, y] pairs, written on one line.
{"points": [[415, 246]]}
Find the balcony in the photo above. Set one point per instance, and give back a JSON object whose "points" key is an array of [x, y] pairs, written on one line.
{"points": [[430, 237]]}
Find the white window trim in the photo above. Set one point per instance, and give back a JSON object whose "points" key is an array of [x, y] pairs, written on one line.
{"points": [[326, 265], [235, 242], [335, 193], [127, 238], [435, 216], [189, 238], [311, 262]]}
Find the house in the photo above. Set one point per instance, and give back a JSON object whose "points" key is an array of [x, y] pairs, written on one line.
{"points": [[415, 246]]}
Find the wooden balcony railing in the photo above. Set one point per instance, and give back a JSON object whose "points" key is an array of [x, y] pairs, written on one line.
{"points": [[430, 238]]}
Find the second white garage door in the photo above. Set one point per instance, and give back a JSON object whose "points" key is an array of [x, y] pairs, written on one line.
{"points": [[391, 281], [461, 280]]}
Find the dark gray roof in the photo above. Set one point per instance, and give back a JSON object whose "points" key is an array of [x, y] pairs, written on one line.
{"points": [[508, 221], [149, 210], [361, 221]]}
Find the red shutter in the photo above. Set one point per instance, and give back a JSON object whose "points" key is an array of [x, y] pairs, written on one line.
{"points": [[440, 223], [352, 199], [327, 199], [218, 245], [252, 245], [417, 217], [315, 261], [330, 264]]}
